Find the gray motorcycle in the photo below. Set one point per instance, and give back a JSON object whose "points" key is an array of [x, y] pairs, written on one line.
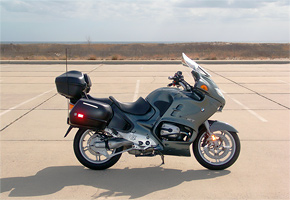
{"points": [[167, 122]]}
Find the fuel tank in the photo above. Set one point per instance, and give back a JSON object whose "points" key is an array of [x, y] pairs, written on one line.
{"points": [[162, 98]]}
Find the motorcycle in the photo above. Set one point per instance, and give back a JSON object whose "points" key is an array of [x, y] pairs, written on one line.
{"points": [[169, 121]]}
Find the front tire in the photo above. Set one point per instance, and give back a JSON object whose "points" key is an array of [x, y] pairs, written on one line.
{"points": [[217, 152], [91, 157]]}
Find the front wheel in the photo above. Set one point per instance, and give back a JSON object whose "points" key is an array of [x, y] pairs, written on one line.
{"points": [[91, 157], [217, 151]]}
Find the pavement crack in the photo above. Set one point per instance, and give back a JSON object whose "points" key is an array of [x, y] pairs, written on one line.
{"points": [[95, 68], [27, 112], [255, 92]]}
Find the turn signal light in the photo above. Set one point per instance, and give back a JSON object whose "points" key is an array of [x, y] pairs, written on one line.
{"points": [[213, 137], [204, 87], [70, 106]]}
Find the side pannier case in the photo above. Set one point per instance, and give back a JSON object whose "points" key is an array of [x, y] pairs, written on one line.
{"points": [[71, 84], [90, 114]]}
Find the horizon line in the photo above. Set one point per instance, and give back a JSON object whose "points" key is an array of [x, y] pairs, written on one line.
{"points": [[132, 42]]}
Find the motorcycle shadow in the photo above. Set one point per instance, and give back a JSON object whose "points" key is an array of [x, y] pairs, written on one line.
{"points": [[135, 182]]}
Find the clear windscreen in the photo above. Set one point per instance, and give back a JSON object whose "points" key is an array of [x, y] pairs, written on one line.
{"points": [[193, 65]]}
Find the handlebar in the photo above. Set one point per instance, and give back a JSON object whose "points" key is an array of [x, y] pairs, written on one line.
{"points": [[178, 80]]}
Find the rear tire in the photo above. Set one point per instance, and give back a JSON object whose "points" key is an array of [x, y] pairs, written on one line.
{"points": [[218, 153], [89, 156]]}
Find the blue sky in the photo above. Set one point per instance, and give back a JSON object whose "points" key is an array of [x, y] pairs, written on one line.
{"points": [[146, 20]]}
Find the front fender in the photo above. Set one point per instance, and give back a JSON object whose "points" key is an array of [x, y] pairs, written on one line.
{"points": [[218, 126]]}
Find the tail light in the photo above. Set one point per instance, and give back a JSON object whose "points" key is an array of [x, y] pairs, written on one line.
{"points": [[79, 115]]}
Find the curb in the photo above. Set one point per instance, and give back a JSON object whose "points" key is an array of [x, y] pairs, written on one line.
{"points": [[138, 62]]}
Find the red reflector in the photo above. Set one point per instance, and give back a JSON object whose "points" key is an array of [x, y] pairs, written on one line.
{"points": [[80, 115]]}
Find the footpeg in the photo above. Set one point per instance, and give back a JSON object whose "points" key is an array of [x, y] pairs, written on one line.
{"points": [[158, 148]]}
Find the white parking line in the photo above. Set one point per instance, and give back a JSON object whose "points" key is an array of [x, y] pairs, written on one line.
{"points": [[136, 93], [25, 102], [249, 110], [284, 82], [246, 108]]}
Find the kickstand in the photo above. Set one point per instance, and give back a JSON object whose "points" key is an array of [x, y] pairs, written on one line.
{"points": [[162, 158]]}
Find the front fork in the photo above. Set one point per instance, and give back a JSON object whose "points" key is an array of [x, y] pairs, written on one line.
{"points": [[212, 126], [208, 135], [206, 124]]}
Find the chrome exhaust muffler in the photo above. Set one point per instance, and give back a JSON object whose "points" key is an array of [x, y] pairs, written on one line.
{"points": [[112, 143]]}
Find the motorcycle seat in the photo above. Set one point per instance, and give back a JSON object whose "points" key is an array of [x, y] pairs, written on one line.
{"points": [[139, 107], [104, 100]]}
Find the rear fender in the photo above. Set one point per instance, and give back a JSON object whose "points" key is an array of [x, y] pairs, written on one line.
{"points": [[218, 126]]}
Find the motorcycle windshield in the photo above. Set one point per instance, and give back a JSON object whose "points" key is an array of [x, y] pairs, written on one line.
{"points": [[193, 65]]}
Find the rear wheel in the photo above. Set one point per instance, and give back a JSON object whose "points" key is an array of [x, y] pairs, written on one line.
{"points": [[217, 151], [90, 156]]}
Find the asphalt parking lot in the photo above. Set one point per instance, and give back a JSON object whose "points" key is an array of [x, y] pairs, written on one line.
{"points": [[38, 163]]}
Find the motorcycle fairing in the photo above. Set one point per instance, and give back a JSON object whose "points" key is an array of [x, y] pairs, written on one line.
{"points": [[183, 109], [176, 148]]}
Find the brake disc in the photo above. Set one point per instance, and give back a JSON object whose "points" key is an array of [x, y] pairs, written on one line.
{"points": [[217, 149]]}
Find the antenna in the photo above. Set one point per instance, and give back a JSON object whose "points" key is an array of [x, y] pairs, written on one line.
{"points": [[65, 59], [67, 82]]}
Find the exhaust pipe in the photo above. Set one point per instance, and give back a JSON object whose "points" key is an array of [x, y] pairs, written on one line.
{"points": [[113, 143]]}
